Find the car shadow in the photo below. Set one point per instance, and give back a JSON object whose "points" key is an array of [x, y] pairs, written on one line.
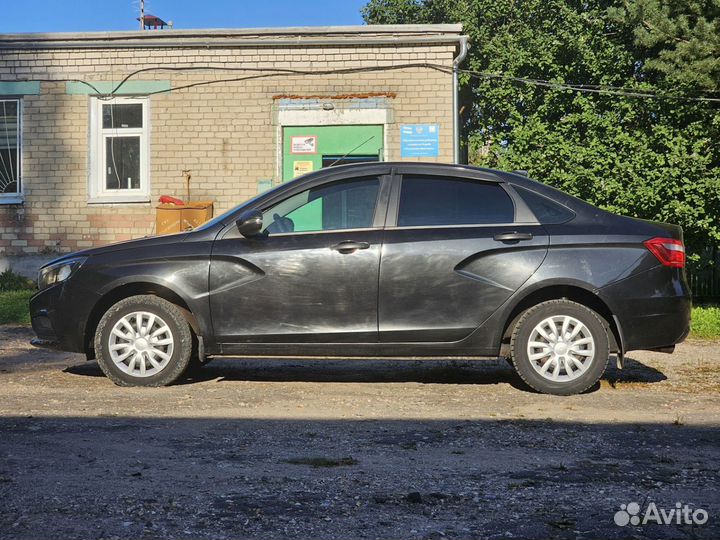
{"points": [[476, 372]]}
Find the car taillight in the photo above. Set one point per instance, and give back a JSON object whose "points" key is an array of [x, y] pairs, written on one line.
{"points": [[668, 251]]}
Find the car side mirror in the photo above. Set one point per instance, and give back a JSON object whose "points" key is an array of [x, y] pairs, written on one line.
{"points": [[250, 223]]}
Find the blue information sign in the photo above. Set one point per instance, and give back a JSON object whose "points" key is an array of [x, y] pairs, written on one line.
{"points": [[419, 140]]}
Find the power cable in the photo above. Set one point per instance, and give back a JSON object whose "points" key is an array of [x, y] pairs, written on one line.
{"points": [[287, 72]]}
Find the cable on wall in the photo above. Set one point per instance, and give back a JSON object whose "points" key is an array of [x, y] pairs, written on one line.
{"points": [[273, 72]]}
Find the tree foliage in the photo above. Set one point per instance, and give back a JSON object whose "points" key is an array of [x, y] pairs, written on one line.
{"points": [[678, 40], [653, 158]]}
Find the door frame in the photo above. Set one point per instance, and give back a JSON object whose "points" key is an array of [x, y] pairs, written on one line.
{"points": [[523, 214], [335, 117]]}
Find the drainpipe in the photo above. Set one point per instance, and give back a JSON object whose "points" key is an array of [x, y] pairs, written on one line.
{"points": [[456, 98]]}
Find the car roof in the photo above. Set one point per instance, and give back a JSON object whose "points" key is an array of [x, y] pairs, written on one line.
{"points": [[432, 167], [421, 167], [455, 170], [376, 168]]}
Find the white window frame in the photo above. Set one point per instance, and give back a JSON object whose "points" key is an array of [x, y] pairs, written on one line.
{"points": [[18, 197], [98, 192]]}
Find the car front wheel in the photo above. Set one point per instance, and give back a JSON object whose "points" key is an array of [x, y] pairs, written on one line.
{"points": [[560, 347], [143, 341]]}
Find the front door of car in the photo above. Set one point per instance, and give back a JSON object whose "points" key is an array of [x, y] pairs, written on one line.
{"points": [[311, 276], [454, 250]]}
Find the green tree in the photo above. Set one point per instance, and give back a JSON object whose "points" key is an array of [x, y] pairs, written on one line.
{"points": [[652, 158], [677, 40]]}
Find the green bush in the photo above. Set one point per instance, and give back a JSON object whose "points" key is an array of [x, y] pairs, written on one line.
{"points": [[10, 281], [14, 307], [706, 322]]}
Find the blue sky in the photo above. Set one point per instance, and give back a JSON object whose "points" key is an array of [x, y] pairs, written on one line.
{"points": [[98, 15]]}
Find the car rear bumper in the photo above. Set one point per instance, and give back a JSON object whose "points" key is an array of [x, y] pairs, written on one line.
{"points": [[652, 308]]}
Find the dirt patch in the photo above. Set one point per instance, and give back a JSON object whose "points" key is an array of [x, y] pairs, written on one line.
{"points": [[353, 449]]}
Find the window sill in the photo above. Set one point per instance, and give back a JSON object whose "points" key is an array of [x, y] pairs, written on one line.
{"points": [[130, 199], [12, 199]]}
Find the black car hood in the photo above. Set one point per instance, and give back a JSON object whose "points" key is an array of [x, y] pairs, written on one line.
{"points": [[148, 241]]}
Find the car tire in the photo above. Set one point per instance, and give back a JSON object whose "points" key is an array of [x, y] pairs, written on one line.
{"points": [[143, 341], [564, 362]]}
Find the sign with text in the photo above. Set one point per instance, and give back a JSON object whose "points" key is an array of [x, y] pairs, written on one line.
{"points": [[302, 167], [419, 140], [304, 144]]}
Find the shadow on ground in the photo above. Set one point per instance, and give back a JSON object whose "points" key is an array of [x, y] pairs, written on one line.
{"points": [[129, 477], [477, 372]]}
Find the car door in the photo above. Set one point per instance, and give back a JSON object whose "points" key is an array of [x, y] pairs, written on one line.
{"points": [[311, 275], [454, 250]]}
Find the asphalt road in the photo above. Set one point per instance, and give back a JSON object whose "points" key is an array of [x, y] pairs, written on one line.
{"points": [[354, 449]]}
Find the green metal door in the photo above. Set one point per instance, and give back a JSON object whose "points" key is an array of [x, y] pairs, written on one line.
{"points": [[310, 148]]}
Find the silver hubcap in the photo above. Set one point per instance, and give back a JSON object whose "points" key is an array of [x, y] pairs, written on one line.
{"points": [[141, 344], [561, 348]]}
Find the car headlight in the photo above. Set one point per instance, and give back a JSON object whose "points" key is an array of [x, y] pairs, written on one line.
{"points": [[59, 271]]}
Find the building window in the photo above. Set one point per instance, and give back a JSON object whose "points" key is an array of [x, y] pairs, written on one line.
{"points": [[119, 151], [10, 150]]}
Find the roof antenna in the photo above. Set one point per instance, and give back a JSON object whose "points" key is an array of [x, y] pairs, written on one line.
{"points": [[351, 151]]}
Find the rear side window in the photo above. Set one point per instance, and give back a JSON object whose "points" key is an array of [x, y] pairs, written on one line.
{"points": [[450, 201], [546, 211]]}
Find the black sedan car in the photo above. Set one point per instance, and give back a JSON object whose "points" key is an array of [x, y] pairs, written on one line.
{"points": [[383, 259]]}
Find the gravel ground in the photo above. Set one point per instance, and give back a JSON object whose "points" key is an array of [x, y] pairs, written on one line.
{"points": [[353, 449]]}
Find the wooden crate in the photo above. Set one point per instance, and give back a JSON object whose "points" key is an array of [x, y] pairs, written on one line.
{"points": [[173, 219]]}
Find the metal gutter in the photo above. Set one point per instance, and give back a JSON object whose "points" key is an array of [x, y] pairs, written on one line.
{"points": [[262, 37], [227, 43], [456, 97]]}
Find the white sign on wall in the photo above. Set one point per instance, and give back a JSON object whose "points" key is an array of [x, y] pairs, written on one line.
{"points": [[303, 144]]}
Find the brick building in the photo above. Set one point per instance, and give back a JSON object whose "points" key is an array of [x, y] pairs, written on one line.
{"points": [[83, 158]]}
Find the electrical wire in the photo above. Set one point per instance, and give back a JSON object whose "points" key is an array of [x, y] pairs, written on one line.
{"points": [[272, 72], [112, 138], [589, 88]]}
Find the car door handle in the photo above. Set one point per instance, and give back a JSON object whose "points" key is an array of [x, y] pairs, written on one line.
{"points": [[348, 246], [513, 236]]}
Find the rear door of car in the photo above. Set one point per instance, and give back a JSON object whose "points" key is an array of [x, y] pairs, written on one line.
{"points": [[455, 248]]}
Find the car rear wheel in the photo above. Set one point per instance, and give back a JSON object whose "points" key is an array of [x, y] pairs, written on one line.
{"points": [[560, 347], [143, 341]]}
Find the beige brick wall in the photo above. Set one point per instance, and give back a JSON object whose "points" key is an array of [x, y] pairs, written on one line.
{"points": [[223, 132]]}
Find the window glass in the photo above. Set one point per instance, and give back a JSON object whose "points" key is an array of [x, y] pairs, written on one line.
{"points": [[334, 161], [545, 210], [119, 138], [450, 201], [122, 115], [122, 156], [9, 146], [341, 205]]}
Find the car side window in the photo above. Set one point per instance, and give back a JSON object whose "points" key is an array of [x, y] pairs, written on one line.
{"points": [[349, 204], [546, 211], [428, 201]]}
